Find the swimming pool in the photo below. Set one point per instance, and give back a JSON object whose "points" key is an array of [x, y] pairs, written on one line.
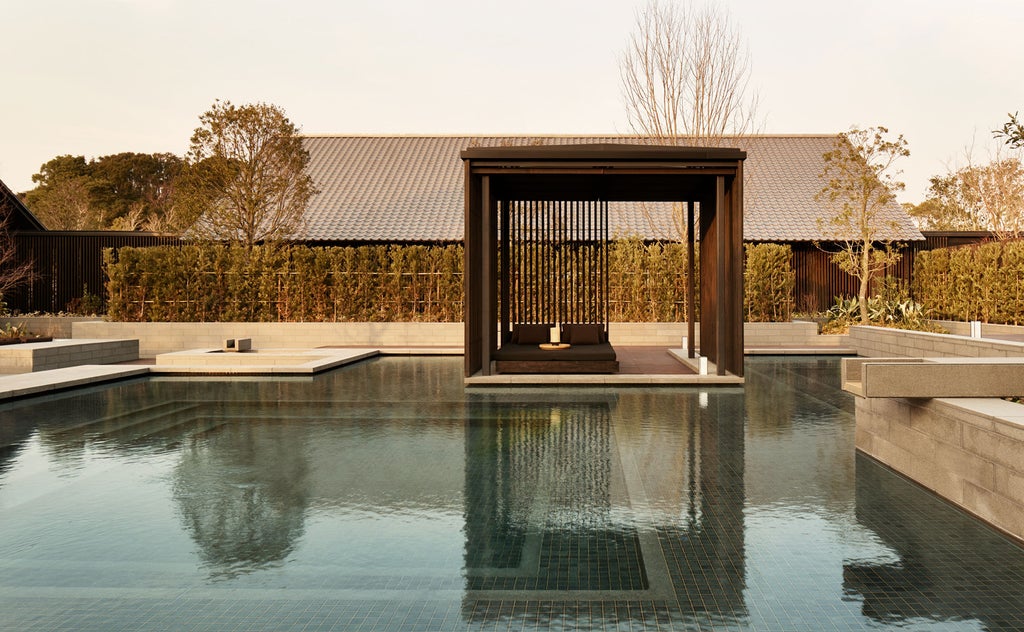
{"points": [[384, 496]]}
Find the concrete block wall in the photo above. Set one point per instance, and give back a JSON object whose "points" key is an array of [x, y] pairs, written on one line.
{"points": [[882, 342], [43, 356], [53, 326], [968, 451], [794, 334], [157, 338], [640, 334]]}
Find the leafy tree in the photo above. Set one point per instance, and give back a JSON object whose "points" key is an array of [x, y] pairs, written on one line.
{"points": [[245, 178], [127, 191], [1012, 131], [134, 190], [859, 184], [977, 197], [62, 197], [944, 208]]}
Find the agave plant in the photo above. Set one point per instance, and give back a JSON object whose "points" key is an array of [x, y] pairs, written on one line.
{"points": [[845, 309], [13, 331]]}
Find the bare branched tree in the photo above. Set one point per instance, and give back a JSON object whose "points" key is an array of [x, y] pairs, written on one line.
{"points": [[686, 81], [14, 270], [686, 75]]}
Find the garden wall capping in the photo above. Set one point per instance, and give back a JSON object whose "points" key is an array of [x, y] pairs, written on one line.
{"points": [[157, 338], [884, 342], [933, 377], [963, 328]]}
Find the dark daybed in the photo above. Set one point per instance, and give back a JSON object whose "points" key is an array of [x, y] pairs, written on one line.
{"points": [[589, 352]]}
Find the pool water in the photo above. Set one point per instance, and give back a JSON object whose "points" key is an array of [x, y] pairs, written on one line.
{"points": [[384, 496]]}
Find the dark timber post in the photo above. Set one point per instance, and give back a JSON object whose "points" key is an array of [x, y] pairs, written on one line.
{"points": [[734, 361], [488, 275], [691, 309], [722, 243], [472, 255]]}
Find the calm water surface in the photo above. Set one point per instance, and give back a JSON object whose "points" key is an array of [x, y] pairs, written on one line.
{"points": [[386, 497]]}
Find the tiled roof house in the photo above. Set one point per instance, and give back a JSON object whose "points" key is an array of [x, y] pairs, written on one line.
{"points": [[410, 189]]}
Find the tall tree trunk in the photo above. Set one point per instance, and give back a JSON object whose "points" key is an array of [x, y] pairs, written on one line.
{"points": [[865, 278]]}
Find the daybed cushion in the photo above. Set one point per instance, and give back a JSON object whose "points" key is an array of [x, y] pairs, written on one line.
{"points": [[532, 353], [531, 334], [583, 334]]}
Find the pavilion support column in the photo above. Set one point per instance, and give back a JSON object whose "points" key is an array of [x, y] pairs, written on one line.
{"points": [[691, 309], [708, 229], [734, 212], [722, 328], [471, 278], [488, 275]]}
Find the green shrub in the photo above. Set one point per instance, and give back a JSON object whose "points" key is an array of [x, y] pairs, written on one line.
{"points": [[213, 282], [768, 283], [202, 282], [86, 305], [647, 282], [979, 282]]}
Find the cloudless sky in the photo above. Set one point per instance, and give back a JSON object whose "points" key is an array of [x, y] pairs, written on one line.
{"points": [[96, 77]]}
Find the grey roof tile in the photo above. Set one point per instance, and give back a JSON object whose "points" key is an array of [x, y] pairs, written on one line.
{"points": [[410, 188]]}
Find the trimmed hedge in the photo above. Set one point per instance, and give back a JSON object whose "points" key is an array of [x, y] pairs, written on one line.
{"points": [[981, 282], [217, 283], [768, 283], [296, 283], [647, 282]]}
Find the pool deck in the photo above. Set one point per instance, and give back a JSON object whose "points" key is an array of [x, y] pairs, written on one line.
{"points": [[639, 366], [42, 382]]}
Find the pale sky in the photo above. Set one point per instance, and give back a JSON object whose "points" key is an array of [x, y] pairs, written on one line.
{"points": [[97, 77]]}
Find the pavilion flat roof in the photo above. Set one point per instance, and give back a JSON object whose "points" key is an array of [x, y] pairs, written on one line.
{"points": [[604, 151]]}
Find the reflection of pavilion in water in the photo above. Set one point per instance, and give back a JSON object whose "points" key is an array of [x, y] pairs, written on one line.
{"points": [[573, 506]]}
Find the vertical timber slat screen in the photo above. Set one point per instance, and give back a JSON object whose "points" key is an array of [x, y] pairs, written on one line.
{"points": [[558, 261], [819, 280], [67, 263]]}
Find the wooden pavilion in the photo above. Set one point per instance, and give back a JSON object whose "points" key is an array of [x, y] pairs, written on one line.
{"points": [[537, 233]]}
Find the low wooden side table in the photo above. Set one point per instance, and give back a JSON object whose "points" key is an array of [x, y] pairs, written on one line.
{"points": [[552, 346]]}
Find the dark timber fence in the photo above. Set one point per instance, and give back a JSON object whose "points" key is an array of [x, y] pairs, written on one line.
{"points": [[67, 263], [819, 281]]}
